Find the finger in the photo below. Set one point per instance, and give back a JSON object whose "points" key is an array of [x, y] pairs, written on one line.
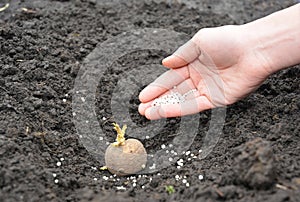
{"points": [[187, 89], [174, 61], [184, 55], [143, 106], [185, 86], [174, 110], [163, 83], [192, 94]]}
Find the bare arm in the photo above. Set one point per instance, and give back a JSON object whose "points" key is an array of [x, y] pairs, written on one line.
{"points": [[276, 37]]}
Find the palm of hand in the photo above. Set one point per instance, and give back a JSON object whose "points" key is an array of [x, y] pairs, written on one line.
{"points": [[224, 85]]}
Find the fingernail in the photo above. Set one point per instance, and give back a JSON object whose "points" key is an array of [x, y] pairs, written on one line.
{"points": [[167, 58]]}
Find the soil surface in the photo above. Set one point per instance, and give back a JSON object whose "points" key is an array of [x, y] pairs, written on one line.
{"points": [[43, 44]]}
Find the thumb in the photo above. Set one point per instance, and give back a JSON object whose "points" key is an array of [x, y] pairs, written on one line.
{"points": [[184, 55]]}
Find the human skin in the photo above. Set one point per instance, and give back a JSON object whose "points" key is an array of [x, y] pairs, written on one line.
{"points": [[225, 64]]}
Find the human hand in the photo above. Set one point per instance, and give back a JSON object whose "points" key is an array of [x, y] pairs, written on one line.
{"points": [[220, 63]]}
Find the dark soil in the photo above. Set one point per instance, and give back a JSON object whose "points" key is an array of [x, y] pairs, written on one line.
{"points": [[41, 51]]}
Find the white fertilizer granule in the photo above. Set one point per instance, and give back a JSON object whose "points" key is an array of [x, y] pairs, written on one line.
{"points": [[172, 98]]}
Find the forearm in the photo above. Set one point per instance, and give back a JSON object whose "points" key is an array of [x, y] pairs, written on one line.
{"points": [[276, 38]]}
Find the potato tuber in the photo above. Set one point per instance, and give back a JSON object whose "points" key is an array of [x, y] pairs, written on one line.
{"points": [[125, 157]]}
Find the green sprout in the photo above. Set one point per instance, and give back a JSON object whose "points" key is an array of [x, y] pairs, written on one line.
{"points": [[170, 189]]}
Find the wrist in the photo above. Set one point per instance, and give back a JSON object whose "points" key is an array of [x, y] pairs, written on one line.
{"points": [[275, 39]]}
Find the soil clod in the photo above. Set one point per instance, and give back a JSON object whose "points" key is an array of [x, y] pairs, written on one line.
{"points": [[255, 167]]}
